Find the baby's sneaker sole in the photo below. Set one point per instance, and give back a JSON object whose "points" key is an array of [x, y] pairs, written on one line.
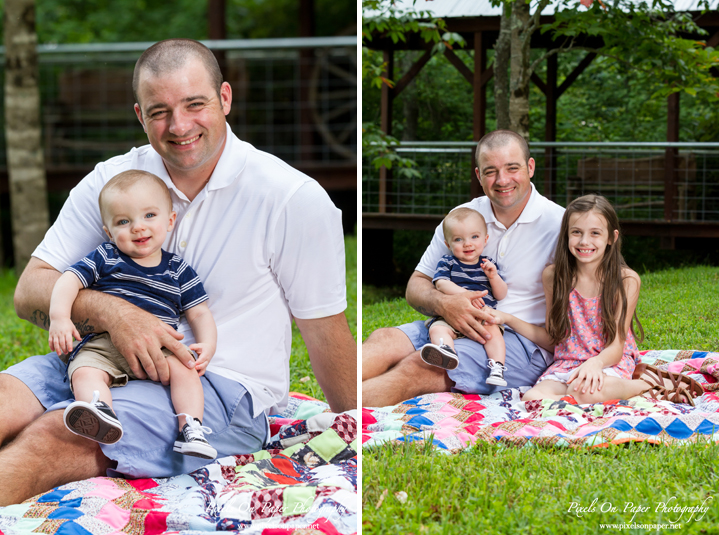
{"points": [[496, 381], [83, 419], [434, 356], [204, 451]]}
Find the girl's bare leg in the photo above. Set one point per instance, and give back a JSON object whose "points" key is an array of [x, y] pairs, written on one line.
{"points": [[547, 389], [613, 388], [186, 391]]}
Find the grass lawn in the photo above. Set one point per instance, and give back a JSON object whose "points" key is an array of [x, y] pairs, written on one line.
{"points": [[494, 489], [20, 339]]}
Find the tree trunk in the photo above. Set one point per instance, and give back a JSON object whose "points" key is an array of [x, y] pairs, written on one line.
{"points": [[519, 74], [25, 162], [501, 68]]}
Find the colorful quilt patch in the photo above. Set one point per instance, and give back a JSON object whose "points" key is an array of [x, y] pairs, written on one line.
{"points": [[304, 482], [455, 422]]}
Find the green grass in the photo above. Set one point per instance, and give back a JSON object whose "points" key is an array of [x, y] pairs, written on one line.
{"points": [[494, 489], [20, 339]]}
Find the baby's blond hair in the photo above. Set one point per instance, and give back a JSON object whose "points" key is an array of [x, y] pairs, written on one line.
{"points": [[460, 214], [127, 179]]}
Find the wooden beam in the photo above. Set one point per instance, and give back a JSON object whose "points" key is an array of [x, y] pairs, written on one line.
{"points": [[479, 121], [550, 127], [713, 41], [486, 76], [385, 124], [539, 83], [579, 69], [459, 65], [670, 161], [411, 73]]}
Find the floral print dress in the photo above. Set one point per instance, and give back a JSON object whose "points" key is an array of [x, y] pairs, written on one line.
{"points": [[585, 340]]}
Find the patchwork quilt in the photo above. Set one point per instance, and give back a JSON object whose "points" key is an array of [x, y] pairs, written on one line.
{"points": [[305, 481], [454, 422]]}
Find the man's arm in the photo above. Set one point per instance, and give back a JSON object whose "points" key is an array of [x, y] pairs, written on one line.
{"points": [[137, 335], [457, 309], [333, 354]]}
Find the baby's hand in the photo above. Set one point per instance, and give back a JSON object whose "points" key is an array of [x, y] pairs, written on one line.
{"points": [[478, 302], [205, 352], [489, 268], [61, 336]]}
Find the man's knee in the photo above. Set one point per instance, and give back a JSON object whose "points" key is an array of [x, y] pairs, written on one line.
{"points": [[417, 371], [386, 336]]}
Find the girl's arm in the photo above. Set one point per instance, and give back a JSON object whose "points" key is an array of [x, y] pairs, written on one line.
{"points": [[205, 330], [591, 372], [62, 329], [536, 334]]}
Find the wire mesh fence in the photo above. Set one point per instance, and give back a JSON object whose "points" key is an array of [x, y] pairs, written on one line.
{"points": [[295, 98], [631, 175]]}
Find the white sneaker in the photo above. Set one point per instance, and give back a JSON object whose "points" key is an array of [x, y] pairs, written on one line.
{"points": [[192, 441], [94, 420], [496, 373], [440, 355]]}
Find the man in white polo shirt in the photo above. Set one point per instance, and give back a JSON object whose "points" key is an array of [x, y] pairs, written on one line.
{"points": [[523, 227], [267, 243]]}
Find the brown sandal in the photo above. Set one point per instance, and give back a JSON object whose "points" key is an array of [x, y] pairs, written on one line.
{"points": [[682, 385]]}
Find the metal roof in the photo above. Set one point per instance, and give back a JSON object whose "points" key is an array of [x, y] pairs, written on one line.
{"points": [[474, 8]]}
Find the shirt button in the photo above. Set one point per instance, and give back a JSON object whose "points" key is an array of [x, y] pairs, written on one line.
{"points": [[183, 244], [500, 254]]}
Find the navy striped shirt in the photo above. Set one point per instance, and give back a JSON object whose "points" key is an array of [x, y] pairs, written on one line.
{"points": [[467, 276], [166, 290]]}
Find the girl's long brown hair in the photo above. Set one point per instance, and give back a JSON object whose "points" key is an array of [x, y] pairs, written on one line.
{"points": [[609, 273]]}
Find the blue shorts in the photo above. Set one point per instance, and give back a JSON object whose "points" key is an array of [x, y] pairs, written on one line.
{"points": [[524, 361], [148, 419]]}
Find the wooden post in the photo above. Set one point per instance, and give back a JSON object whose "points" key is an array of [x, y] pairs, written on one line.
{"points": [[307, 29], [550, 129], [217, 30], [386, 125], [670, 166], [479, 122]]}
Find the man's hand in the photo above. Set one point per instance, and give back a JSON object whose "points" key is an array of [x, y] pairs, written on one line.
{"points": [[461, 313], [139, 337], [459, 310], [333, 354]]}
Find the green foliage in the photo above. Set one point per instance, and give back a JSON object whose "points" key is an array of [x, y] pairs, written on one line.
{"points": [[116, 21]]}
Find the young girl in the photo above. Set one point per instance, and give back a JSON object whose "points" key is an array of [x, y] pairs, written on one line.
{"points": [[591, 300]]}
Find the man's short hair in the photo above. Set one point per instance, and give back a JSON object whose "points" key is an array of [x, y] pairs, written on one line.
{"points": [[460, 214], [171, 55], [127, 179], [501, 138]]}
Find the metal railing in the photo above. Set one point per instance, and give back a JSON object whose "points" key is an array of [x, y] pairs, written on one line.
{"points": [[295, 98], [644, 181]]}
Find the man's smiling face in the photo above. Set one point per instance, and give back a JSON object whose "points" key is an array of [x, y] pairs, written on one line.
{"points": [[505, 177], [184, 118]]}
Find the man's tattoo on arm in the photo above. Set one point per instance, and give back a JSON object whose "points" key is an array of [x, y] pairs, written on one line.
{"points": [[83, 328], [425, 311], [40, 319]]}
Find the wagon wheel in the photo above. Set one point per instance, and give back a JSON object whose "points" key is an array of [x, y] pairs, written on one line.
{"points": [[333, 99]]}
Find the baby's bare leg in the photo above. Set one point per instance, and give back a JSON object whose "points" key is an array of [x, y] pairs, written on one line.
{"points": [[185, 390], [86, 380], [495, 347], [443, 333]]}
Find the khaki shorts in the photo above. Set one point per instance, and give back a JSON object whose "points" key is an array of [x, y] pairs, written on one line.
{"points": [[99, 352], [438, 320]]}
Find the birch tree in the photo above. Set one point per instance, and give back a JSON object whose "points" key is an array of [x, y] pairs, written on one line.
{"points": [[25, 162]]}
